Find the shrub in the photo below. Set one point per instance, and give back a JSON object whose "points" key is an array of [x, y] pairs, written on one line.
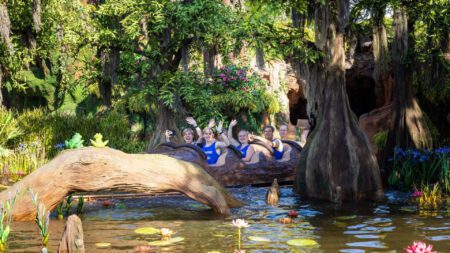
{"points": [[412, 167]]}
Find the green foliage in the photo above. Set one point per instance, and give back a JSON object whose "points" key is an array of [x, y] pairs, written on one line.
{"points": [[75, 142], [54, 128], [420, 167], [80, 205], [24, 159], [8, 131], [380, 139], [42, 219], [429, 198], [5, 221]]}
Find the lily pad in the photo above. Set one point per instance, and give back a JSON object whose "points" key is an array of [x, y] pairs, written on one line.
{"points": [[302, 242], [166, 242], [147, 231], [258, 239], [102, 244]]}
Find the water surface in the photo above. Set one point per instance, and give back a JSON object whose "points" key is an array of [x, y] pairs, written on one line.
{"points": [[386, 227]]}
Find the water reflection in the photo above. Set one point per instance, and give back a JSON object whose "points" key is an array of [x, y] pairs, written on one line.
{"points": [[386, 227]]}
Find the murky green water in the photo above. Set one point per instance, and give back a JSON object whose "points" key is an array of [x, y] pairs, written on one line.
{"points": [[387, 227]]}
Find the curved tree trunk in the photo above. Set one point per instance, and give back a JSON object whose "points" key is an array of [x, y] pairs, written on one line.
{"points": [[104, 169], [409, 128], [337, 162]]}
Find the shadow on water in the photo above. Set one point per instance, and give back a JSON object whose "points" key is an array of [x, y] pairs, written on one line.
{"points": [[385, 227]]}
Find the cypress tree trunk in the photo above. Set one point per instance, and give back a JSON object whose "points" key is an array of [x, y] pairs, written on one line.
{"points": [[381, 72], [409, 128], [337, 162]]}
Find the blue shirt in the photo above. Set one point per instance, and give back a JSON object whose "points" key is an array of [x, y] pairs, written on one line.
{"points": [[243, 150], [211, 153], [278, 154]]}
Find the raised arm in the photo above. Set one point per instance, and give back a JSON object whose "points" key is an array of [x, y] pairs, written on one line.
{"points": [[233, 141], [191, 121], [225, 142]]}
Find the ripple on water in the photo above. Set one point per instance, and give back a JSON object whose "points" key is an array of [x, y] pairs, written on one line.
{"points": [[352, 251], [368, 244], [439, 238]]}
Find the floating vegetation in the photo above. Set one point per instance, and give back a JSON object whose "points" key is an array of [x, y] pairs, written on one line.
{"points": [[166, 242], [102, 244], [147, 231], [302, 242], [258, 239]]}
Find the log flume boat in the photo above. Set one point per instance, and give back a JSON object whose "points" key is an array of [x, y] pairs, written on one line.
{"points": [[233, 171]]}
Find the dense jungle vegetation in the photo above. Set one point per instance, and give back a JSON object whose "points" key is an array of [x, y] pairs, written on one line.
{"points": [[130, 69]]}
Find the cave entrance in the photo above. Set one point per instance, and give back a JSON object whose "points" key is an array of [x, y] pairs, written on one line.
{"points": [[297, 106], [361, 94]]}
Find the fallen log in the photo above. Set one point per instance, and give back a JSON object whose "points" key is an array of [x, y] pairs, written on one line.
{"points": [[104, 169], [234, 171]]}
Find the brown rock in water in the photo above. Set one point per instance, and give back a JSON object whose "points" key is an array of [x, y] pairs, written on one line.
{"points": [[72, 238], [376, 121]]}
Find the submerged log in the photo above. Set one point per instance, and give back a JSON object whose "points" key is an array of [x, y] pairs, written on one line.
{"points": [[233, 171], [105, 169], [72, 239]]}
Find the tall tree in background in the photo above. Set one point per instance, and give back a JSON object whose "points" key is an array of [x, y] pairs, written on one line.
{"points": [[5, 31], [409, 128], [381, 57], [337, 162]]}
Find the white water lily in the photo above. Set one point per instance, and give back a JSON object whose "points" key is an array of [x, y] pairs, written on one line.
{"points": [[166, 233], [240, 223]]}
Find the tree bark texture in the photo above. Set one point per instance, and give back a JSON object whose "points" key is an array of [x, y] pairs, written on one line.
{"points": [[166, 121], [5, 26], [110, 63], [381, 74], [72, 240], [211, 60], [337, 163], [409, 128], [103, 169]]}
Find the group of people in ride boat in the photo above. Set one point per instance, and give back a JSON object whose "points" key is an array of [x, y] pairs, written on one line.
{"points": [[213, 143]]}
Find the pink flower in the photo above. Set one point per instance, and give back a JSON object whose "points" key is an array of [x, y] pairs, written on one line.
{"points": [[21, 173], [417, 194], [419, 247]]}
